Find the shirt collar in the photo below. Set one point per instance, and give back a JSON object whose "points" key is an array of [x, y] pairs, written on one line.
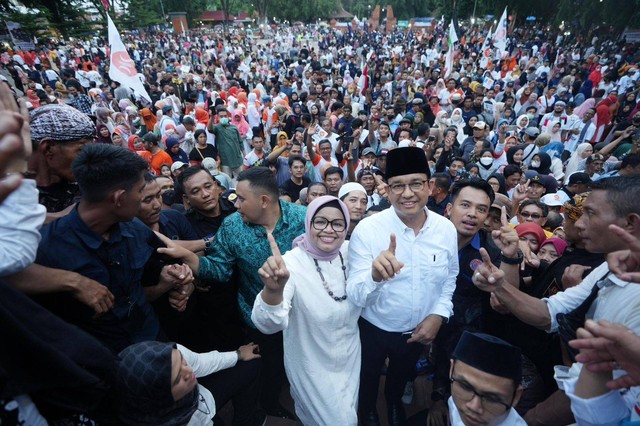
{"points": [[90, 238], [475, 241]]}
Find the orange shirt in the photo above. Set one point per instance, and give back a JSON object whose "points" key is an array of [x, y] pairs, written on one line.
{"points": [[158, 159]]}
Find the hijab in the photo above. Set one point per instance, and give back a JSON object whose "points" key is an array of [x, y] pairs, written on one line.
{"points": [[149, 118], [532, 228], [575, 159], [240, 122], [99, 138], [512, 151], [501, 181], [202, 116], [143, 386], [131, 141], [545, 164], [181, 155], [305, 242]]}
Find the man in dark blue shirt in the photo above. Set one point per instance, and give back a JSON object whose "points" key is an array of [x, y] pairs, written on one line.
{"points": [[102, 240]]}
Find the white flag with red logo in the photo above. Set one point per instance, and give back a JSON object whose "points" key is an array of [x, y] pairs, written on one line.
{"points": [[485, 51], [500, 36], [122, 68]]}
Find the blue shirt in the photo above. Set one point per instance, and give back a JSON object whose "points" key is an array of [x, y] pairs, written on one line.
{"points": [[119, 263], [176, 226], [245, 245]]}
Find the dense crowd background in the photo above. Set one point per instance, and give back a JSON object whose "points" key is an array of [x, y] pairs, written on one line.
{"points": [[245, 142]]}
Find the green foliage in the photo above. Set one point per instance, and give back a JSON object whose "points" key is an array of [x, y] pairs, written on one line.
{"points": [[305, 11], [194, 8]]}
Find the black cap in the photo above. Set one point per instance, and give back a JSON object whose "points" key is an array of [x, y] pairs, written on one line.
{"points": [[579, 178], [490, 355], [405, 161]]}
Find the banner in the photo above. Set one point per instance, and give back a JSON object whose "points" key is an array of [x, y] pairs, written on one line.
{"points": [[122, 68]]}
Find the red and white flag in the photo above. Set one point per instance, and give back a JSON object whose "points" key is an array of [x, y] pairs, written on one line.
{"points": [[363, 82], [122, 68], [105, 3], [485, 51]]}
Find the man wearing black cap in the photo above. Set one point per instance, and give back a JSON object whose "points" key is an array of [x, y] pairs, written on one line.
{"points": [[403, 268], [577, 184], [485, 377]]}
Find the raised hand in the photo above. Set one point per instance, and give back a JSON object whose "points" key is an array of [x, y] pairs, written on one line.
{"points": [[381, 187], [506, 238], [274, 273], [522, 191], [386, 265], [487, 276], [625, 264]]}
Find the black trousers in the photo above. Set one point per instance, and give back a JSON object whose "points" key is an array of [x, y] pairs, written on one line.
{"points": [[240, 385], [272, 373], [377, 345]]}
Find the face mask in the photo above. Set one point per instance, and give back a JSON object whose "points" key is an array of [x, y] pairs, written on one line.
{"points": [[530, 116], [224, 121], [535, 164], [486, 161]]}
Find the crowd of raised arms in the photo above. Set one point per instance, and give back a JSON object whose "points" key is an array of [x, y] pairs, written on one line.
{"points": [[299, 213]]}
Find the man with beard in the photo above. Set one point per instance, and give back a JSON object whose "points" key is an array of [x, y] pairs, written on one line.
{"points": [[355, 197]]}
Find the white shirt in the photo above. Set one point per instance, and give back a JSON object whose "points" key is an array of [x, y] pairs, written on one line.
{"points": [[203, 365], [572, 140], [425, 284], [20, 218], [619, 303], [321, 340], [512, 419]]}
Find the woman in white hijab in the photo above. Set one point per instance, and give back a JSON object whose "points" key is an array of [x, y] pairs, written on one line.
{"points": [[578, 159]]}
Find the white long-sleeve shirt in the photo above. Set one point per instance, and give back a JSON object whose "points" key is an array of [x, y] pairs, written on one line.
{"points": [[20, 218], [204, 364], [425, 284], [321, 340]]}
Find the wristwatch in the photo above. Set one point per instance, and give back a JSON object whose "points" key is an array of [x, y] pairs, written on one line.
{"points": [[513, 260]]}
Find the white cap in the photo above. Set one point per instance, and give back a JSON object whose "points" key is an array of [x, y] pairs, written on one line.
{"points": [[349, 187], [211, 166], [177, 165]]}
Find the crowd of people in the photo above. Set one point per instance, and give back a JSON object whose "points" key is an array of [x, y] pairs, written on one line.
{"points": [[319, 214]]}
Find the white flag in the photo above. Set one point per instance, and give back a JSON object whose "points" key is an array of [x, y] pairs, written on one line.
{"points": [[500, 36], [448, 63], [453, 37], [485, 52], [122, 68]]}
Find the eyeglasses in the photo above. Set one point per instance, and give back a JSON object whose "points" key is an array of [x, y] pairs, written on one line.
{"points": [[534, 216], [320, 224], [398, 188], [466, 393]]}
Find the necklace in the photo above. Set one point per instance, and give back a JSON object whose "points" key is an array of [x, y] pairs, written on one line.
{"points": [[326, 286]]}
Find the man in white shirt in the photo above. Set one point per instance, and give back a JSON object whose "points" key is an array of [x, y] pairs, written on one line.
{"points": [[402, 272], [579, 131]]}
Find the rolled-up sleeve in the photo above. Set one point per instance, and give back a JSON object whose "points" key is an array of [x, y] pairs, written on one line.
{"points": [[609, 409]]}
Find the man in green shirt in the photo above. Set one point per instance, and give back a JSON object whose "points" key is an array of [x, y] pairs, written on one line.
{"points": [[242, 242], [229, 144]]}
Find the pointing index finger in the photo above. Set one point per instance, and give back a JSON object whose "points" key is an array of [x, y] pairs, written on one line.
{"points": [[503, 216], [392, 244], [275, 250], [485, 258]]}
